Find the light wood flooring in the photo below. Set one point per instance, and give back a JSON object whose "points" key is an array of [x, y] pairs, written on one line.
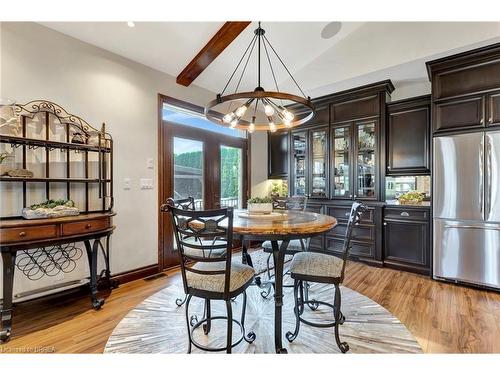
{"points": [[444, 318]]}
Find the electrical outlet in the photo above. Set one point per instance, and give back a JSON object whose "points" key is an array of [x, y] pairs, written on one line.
{"points": [[149, 163]]}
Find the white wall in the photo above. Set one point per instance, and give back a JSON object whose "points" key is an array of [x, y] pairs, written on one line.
{"points": [[39, 63]]}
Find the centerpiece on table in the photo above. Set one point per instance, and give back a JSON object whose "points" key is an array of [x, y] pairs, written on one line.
{"points": [[260, 205], [51, 209]]}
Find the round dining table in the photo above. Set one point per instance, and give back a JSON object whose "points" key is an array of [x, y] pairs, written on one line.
{"points": [[279, 228]]}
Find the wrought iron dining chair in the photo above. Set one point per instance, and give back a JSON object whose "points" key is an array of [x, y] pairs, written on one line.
{"points": [[184, 204], [294, 203], [213, 277], [327, 269]]}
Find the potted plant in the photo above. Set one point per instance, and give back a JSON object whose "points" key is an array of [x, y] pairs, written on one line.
{"points": [[260, 205]]}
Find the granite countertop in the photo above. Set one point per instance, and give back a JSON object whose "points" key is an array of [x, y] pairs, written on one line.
{"points": [[394, 202]]}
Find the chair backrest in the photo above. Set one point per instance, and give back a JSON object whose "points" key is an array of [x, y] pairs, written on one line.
{"points": [[357, 209], [183, 204], [214, 228], [294, 203]]}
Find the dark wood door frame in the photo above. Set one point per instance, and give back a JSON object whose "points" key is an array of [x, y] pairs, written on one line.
{"points": [[166, 131]]}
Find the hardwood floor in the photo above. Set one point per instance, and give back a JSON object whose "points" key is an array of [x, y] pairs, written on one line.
{"points": [[444, 318]]}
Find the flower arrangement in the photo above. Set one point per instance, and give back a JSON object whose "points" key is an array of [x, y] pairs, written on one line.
{"points": [[258, 205]]}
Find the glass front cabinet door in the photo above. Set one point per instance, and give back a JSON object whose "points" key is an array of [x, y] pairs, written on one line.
{"points": [[319, 163], [366, 158], [299, 160], [341, 169]]}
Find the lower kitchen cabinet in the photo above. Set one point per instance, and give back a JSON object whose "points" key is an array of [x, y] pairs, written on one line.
{"points": [[407, 240]]}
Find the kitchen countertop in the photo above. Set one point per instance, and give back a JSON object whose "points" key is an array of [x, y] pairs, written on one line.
{"points": [[394, 202]]}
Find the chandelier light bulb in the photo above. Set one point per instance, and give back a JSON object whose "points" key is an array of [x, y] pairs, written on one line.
{"points": [[287, 115], [228, 118], [240, 111], [287, 122], [234, 123], [251, 127], [268, 109], [272, 126]]}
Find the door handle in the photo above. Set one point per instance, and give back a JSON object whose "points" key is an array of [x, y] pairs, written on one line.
{"points": [[470, 227], [488, 172]]}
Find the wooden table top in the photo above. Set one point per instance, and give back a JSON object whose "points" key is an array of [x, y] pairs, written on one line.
{"points": [[296, 223]]}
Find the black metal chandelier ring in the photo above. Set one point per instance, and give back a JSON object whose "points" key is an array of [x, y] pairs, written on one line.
{"points": [[213, 115]]}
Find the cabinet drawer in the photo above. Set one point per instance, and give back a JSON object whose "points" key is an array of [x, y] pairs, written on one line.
{"points": [[27, 234], [87, 226], [407, 214], [341, 213], [359, 232], [456, 114], [358, 248]]}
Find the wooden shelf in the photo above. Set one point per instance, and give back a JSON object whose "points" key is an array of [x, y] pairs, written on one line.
{"points": [[51, 144], [50, 179]]}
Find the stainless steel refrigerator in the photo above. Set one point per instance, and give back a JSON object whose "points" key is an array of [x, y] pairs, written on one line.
{"points": [[466, 208]]}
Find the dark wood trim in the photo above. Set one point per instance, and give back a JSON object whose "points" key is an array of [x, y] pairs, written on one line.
{"points": [[136, 274], [165, 172], [223, 38]]}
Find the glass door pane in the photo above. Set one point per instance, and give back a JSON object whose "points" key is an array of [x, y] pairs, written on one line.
{"points": [[342, 162], [188, 170], [299, 163], [231, 177], [318, 163], [366, 167]]}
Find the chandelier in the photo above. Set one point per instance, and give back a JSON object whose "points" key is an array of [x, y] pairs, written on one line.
{"points": [[259, 109]]}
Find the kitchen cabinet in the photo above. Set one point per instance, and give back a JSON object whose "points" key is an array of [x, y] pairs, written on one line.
{"points": [[407, 239], [318, 166], [408, 137], [465, 90], [355, 160], [299, 157], [310, 162], [278, 159]]}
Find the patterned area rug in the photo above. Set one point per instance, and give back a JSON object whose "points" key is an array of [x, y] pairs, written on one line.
{"points": [[158, 325]]}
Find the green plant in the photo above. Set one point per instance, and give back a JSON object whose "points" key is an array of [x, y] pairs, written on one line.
{"points": [[53, 203], [412, 196], [260, 200], [279, 188]]}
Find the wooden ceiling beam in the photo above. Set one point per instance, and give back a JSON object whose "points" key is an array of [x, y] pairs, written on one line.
{"points": [[223, 38]]}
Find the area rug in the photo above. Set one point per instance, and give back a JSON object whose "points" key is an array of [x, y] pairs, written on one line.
{"points": [[158, 325]]}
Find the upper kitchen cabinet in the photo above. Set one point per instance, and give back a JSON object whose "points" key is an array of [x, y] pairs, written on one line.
{"points": [[310, 169], [408, 135], [278, 159], [465, 90]]}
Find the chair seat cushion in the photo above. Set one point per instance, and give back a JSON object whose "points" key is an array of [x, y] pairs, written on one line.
{"points": [[204, 253], [241, 274], [316, 265], [293, 246]]}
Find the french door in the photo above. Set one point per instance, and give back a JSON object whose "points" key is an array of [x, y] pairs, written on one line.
{"points": [[208, 166]]}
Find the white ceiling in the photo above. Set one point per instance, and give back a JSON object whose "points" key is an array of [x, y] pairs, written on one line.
{"points": [[362, 52]]}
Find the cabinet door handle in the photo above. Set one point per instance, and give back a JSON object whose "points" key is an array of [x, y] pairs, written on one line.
{"points": [[347, 214], [388, 167], [22, 234], [385, 223], [490, 120], [482, 120], [88, 226], [404, 213]]}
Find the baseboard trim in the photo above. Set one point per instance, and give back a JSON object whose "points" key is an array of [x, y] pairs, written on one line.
{"points": [[135, 274]]}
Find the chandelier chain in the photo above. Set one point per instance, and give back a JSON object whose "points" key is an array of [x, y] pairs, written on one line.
{"points": [[239, 63], [272, 70], [284, 66]]}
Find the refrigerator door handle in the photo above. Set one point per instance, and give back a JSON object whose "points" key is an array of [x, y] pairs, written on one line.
{"points": [[471, 227], [481, 178], [488, 172]]}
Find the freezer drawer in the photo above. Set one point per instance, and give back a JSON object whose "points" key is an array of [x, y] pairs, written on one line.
{"points": [[458, 177], [467, 251]]}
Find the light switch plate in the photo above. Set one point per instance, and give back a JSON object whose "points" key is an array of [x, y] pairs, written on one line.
{"points": [[126, 183], [149, 163], [146, 184]]}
